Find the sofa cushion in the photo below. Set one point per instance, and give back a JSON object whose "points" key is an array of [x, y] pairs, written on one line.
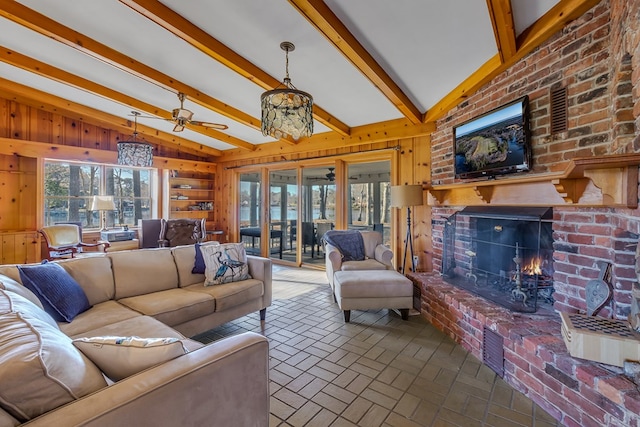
{"points": [[13, 302], [94, 276], [120, 357], [40, 369], [225, 263], [97, 316], [9, 284], [157, 264], [60, 295], [185, 258], [231, 294], [173, 306]]}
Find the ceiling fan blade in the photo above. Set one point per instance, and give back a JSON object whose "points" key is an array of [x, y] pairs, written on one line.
{"points": [[210, 125]]}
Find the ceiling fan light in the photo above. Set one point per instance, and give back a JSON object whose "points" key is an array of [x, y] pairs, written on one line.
{"points": [[287, 112], [178, 127]]}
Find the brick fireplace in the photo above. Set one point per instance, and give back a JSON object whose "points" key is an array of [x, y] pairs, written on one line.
{"points": [[595, 213]]}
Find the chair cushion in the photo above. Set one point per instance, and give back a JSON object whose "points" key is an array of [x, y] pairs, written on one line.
{"points": [[348, 242], [40, 369], [225, 263], [60, 295], [120, 357], [367, 264]]}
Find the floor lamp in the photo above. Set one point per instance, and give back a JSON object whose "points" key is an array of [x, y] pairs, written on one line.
{"points": [[406, 196]]}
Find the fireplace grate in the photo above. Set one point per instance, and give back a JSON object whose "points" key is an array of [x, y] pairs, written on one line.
{"points": [[493, 351]]}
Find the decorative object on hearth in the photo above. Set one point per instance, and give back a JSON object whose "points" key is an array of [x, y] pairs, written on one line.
{"points": [[287, 111], [134, 152], [602, 340], [103, 204], [598, 291], [407, 196]]}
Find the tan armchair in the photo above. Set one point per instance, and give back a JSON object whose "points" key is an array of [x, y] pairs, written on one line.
{"points": [[377, 257], [65, 241], [181, 231]]}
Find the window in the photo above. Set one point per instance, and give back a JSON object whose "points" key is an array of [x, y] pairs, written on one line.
{"points": [[69, 187]]}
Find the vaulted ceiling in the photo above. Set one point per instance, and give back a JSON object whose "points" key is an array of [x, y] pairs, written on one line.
{"points": [[376, 68]]}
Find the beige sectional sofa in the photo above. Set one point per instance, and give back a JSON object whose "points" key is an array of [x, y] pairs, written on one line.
{"points": [[152, 293]]}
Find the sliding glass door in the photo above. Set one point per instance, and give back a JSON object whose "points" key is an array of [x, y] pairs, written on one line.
{"points": [[318, 213], [283, 211]]}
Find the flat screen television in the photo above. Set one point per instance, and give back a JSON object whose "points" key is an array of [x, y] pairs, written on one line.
{"points": [[496, 143]]}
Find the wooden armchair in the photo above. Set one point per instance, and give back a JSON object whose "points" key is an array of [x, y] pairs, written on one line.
{"points": [[65, 241]]}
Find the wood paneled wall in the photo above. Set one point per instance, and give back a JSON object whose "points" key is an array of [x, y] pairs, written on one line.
{"points": [[19, 199]]}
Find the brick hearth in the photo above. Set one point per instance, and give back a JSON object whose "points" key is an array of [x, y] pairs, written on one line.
{"points": [[536, 361]]}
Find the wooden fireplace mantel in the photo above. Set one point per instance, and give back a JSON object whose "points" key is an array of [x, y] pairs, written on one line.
{"points": [[586, 181]]}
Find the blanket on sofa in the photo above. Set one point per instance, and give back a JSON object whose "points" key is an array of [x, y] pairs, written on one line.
{"points": [[349, 242]]}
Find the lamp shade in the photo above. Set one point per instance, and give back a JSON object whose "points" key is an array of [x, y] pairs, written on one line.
{"points": [[103, 203], [406, 195]]}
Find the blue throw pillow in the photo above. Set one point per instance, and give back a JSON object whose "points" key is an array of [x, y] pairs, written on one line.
{"points": [[199, 266], [61, 296]]}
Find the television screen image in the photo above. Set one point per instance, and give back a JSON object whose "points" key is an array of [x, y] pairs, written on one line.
{"points": [[495, 143]]}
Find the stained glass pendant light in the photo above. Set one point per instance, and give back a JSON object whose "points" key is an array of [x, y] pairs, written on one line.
{"points": [[134, 152], [287, 111]]}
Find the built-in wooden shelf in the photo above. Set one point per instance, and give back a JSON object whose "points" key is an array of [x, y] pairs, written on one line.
{"points": [[586, 181]]}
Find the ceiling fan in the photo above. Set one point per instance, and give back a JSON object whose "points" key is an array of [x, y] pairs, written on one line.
{"points": [[330, 176], [182, 117]]}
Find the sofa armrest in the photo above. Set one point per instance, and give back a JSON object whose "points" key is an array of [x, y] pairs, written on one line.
{"points": [[260, 268], [333, 261], [384, 255], [223, 384]]}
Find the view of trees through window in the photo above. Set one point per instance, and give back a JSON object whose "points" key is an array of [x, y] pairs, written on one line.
{"points": [[69, 187]]}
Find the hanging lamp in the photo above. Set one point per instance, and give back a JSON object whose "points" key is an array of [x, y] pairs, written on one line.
{"points": [[287, 111], [134, 152]]}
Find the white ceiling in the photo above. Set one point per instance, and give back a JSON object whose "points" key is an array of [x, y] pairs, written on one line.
{"points": [[427, 47]]}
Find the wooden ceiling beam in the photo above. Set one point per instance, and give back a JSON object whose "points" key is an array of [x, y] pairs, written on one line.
{"points": [[18, 147], [45, 70], [51, 103], [504, 29], [550, 23], [382, 132], [35, 21], [201, 40], [325, 21]]}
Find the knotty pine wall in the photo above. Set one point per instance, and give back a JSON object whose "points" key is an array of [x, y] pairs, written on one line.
{"points": [[40, 128]]}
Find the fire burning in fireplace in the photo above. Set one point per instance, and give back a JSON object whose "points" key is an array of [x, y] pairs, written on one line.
{"points": [[506, 257]]}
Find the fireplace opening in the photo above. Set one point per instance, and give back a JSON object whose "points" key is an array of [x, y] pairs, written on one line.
{"points": [[504, 254]]}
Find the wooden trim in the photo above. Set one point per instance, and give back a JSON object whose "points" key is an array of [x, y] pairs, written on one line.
{"points": [[552, 21], [39, 23], [327, 23], [504, 30], [196, 37], [53, 104], [16, 147], [586, 181]]}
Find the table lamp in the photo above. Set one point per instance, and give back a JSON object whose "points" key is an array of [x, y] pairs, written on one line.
{"points": [[103, 204], [407, 196]]}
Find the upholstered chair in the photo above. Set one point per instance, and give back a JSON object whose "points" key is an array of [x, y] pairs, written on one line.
{"points": [[65, 241], [376, 255], [181, 231]]}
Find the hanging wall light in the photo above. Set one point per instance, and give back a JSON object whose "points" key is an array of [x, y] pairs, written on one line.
{"points": [[134, 152], [287, 111]]}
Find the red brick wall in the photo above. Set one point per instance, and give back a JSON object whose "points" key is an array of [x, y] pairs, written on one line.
{"points": [[597, 58]]}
